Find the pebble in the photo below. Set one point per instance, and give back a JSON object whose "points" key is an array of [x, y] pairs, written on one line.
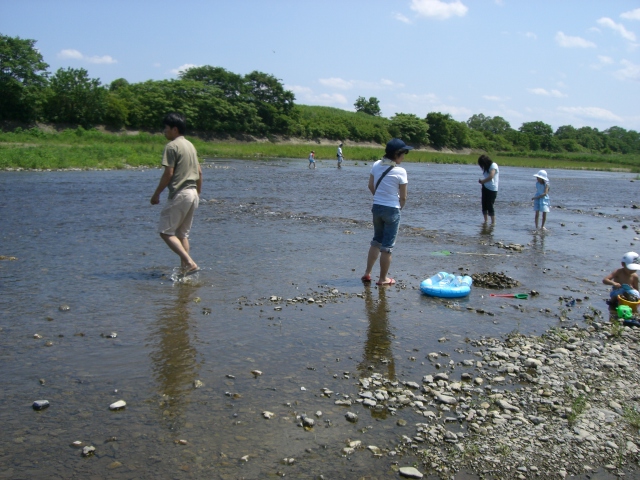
{"points": [[352, 417], [88, 451], [268, 415], [120, 404], [257, 373], [198, 384], [40, 404]]}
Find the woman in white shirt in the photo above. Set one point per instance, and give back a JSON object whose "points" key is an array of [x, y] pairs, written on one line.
{"points": [[489, 182], [388, 185]]}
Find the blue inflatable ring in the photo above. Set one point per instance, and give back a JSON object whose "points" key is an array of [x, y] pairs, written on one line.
{"points": [[446, 285]]}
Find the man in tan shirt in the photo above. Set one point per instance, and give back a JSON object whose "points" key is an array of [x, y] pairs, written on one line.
{"points": [[183, 175]]}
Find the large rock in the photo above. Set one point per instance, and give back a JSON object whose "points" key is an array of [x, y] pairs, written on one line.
{"points": [[410, 472]]}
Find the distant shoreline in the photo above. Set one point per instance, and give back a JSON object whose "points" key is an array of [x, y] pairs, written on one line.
{"points": [[101, 150]]}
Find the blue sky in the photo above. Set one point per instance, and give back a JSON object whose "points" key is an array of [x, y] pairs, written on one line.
{"points": [[563, 62]]}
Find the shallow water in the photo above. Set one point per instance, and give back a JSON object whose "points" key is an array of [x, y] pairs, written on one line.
{"points": [[87, 240]]}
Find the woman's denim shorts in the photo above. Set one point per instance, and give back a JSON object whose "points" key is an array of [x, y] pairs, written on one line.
{"points": [[386, 221]]}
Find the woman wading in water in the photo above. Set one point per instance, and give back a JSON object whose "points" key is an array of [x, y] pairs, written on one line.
{"points": [[388, 185]]}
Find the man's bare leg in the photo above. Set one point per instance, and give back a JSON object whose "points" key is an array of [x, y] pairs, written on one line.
{"points": [[178, 247]]}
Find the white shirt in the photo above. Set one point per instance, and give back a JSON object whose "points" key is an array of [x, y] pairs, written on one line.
{"points": [[493, 183], [388, 191]]}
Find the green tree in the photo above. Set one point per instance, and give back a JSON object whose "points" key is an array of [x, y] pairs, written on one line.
{"points": [[273, 103], [496, 125], [231, 84], [440, 129], [116, 112], [459, 135], [23, 78], [539, 134], [565, 132], [409, 128], [370, 107], [75, 98], [590, 138]]}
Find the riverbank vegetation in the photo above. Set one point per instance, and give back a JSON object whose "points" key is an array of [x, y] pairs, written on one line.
{"points": [[257, 109], [79, 148]]}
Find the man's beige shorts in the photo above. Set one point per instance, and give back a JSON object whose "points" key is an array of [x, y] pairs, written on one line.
{"points": [[177, 215]]}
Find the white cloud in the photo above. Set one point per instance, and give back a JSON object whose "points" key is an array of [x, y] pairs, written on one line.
{"points": [[439, 9], [453, 110], [617, 27], [336, 83], [419, 98], [591, 112], [546, 93], [390, 83], [343, 84], [631, 71], [76, 55], [632, 14], [401, 18], [572, 42], [603, 61], [495, 98], [531, 35], [182, 68], [306, 95]]}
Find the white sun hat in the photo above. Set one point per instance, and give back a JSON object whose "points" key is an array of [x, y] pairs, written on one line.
{"points": [[543, 175], [630, 261]]}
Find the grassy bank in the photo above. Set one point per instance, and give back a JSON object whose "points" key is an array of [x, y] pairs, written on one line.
{"points": [[35, 149]]}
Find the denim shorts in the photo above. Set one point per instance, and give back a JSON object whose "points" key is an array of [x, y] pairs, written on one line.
{"points": [[386, 221]]}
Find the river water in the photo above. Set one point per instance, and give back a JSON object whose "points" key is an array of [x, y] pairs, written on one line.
{"points": [[87, 241]]}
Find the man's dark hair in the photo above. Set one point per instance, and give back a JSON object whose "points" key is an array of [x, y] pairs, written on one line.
{"points": [[175, 120]]}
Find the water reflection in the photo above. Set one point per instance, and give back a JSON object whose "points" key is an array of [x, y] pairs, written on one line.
{"points": [[537, 242], [378, 354], [486, 229], [174, 358]]}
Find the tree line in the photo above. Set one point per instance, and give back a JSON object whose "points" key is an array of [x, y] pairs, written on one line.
{"points": [[219, 102]]}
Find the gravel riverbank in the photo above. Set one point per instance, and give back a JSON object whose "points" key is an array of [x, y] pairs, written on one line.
{"points": [[561, 404]]}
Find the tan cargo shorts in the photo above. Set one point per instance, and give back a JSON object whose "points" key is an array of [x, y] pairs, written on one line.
{"points": [[177, 215]]}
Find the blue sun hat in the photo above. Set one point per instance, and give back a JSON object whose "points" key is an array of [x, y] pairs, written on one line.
{"points": [[394, 145]]}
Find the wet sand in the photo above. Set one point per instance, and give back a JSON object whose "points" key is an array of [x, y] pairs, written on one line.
{"points": [[87, 240]]}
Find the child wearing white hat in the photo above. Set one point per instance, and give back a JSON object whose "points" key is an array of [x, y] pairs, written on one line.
{"points": [[541, 199], [624, 281]]}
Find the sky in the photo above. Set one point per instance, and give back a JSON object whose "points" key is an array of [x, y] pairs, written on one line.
{"points": [[562, 62]]}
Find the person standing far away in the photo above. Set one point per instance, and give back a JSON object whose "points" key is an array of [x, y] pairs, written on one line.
{"points": [[339, 155], [183, 176], [312, 159], [388, 185], [489, 182], [541, 201]]}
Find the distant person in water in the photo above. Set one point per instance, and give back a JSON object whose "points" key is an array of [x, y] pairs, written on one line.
{"points": [[183, 176], [388, 185], [339, 155], [541, 201], [312, 159], [489, 182]]}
